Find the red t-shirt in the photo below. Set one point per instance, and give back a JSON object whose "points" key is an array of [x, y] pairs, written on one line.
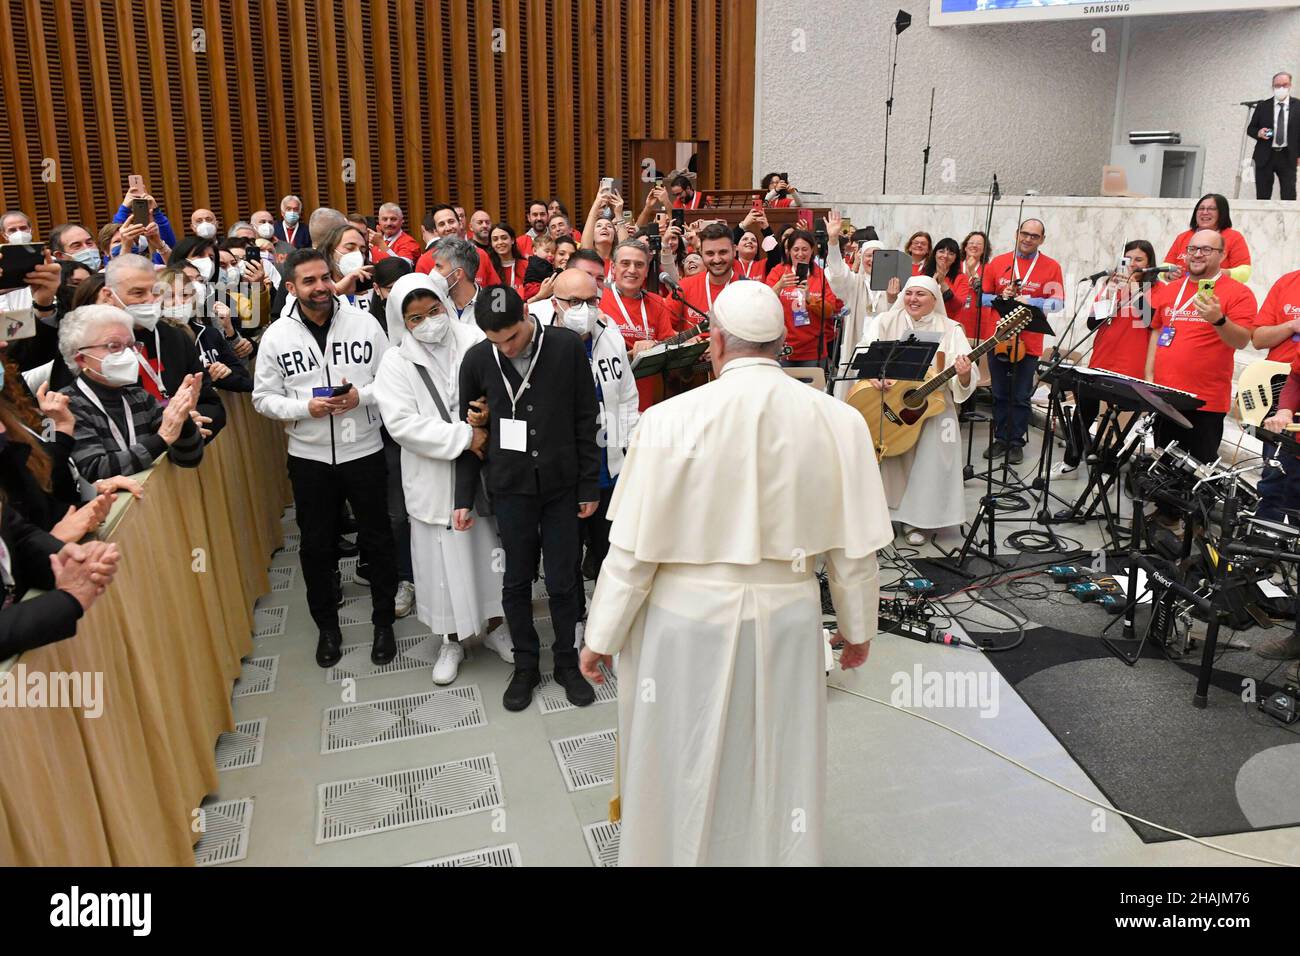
{"points": [[1282, 304], [802, 339], [699, 292], [1040, 278], [648, 317], [696, 200], [964, 309], [1197, 360], [757, 269], [1235, 251], [918, 267], [1120, 345], [403, 245]]}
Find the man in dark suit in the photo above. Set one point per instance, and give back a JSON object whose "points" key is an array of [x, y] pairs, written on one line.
{"points": [[543, 473], [1277, 140], [290, 228]]}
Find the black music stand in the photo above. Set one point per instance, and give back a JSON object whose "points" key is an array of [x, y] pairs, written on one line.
{"points": [[903, 360]]}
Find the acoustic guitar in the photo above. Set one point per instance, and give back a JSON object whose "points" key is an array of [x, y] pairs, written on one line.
{"points": [[1013, 351], [897, 414], [1258, 389]]}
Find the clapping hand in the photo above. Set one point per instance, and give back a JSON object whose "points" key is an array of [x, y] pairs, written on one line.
{"points": [[79, 522], [54, 406]]}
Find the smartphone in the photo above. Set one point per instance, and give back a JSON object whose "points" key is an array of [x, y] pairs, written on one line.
{"points": [[606, 184], [372, 222], [679, 218], [801, 271], [17, 262], [1205, 287], [659, 182], [140, 211], [758, 204], [331, 391], [1124, 265], [135, 183]]}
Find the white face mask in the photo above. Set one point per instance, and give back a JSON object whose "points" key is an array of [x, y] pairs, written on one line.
{"points": [[1281, 92], [89, 258], [144, 314], [206, 230], [432, 330], [19, 236], [179, 313], [350, 262], [200, 291], [204, 266], [120, 369], [579, 318], [233, 274], [265, 230]]}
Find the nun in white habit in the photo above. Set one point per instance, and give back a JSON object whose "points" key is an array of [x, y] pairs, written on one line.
{"points": [[924, 485], [457, 587], [861, 302], [714, 610]]}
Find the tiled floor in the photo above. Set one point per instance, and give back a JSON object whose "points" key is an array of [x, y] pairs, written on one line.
{"points": [[900, 790]]}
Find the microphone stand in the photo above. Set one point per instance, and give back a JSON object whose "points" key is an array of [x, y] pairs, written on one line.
{"points": [[1241, 153], [925, 162], [889, 110]]}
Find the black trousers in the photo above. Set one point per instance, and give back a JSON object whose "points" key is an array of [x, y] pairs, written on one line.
{"points": [[1278, 163], [595, 536], [319, 490], [532, 526], [1085, 413], [1202, 441]]}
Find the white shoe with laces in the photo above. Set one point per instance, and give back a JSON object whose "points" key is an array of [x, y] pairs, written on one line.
{"points": [[499, 641], [1061, 468], [405, 602], [448, 664]]}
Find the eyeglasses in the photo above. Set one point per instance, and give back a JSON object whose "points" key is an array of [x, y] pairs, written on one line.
{"points": [[1202, 250], [594, 301], [114, 348], [1030, 235]]}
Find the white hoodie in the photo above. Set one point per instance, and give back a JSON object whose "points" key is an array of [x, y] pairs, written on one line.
{"points": [[289, 366], [620, 400]]}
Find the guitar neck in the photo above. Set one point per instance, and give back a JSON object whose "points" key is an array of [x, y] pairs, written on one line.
{"points": [[689, 334], [942, 379]]}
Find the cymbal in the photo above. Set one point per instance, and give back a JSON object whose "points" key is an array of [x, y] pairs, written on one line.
{"points": [[1161, 406]]}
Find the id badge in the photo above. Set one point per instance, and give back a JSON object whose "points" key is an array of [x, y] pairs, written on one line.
{"points": [[514, 434], [1166, 336]]}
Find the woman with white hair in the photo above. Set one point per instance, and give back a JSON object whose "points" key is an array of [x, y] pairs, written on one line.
{"points": [[121, 429], [853, 286], [923, 486], [457, 587]]}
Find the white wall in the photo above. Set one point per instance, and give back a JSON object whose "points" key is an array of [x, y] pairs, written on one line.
{"points": [[1033, 102]]}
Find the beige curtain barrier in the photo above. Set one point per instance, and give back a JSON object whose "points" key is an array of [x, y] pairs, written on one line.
{"points": [[122, 788]]}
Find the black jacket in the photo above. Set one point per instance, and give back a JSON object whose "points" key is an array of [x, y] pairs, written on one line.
{"points": [[212, 345], [301, 238], [43, 620], [559, 406], [1263, 119], [42, 508]]}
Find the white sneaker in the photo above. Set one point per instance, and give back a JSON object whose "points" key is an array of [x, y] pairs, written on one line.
{"points": [[448, 666], [499, 641], [1061, 468], [405, 602]]}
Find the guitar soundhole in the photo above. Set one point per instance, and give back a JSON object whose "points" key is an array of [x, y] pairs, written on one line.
{"points": [[913, 401]]}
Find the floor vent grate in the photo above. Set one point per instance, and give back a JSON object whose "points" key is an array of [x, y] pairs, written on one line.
{"points": [[376, 722], [586, 760]]}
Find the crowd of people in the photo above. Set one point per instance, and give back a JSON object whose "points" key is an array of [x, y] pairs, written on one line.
{"points": [[400, 365]]}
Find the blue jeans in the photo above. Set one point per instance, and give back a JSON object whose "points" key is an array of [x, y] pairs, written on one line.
{"points": [[1278, 487], [1013, 384]]}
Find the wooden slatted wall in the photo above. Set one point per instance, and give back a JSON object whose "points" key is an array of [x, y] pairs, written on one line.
{"points": [[350, 103]]}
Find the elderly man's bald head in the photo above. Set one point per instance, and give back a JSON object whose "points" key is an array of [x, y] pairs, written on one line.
{"points": [[574, 285]]}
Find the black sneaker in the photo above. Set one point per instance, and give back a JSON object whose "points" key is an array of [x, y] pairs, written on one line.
{"points": [[1015, 455], [997, 451], [361, 574], [385, 647], [347, 549], [576, 688], [328, 647], [519, 694]]}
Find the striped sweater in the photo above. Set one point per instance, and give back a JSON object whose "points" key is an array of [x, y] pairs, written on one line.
{"points": [[97, 453]]}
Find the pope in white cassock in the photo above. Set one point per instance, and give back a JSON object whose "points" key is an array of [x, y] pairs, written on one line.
{"points": [[728, 499], [924, 484]]}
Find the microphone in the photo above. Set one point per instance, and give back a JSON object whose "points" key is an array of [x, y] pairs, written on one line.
{"points": [[1251, 102], [1095, 276], [997, 193], [666, 280], [1157, 270]]}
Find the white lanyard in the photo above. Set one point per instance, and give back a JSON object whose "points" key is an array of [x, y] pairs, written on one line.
{"points": [[645, 321], [1015, 268], [112, 425], [708, 290], [748, 266], [511, 393], [1179, 305], [144, 364]]}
